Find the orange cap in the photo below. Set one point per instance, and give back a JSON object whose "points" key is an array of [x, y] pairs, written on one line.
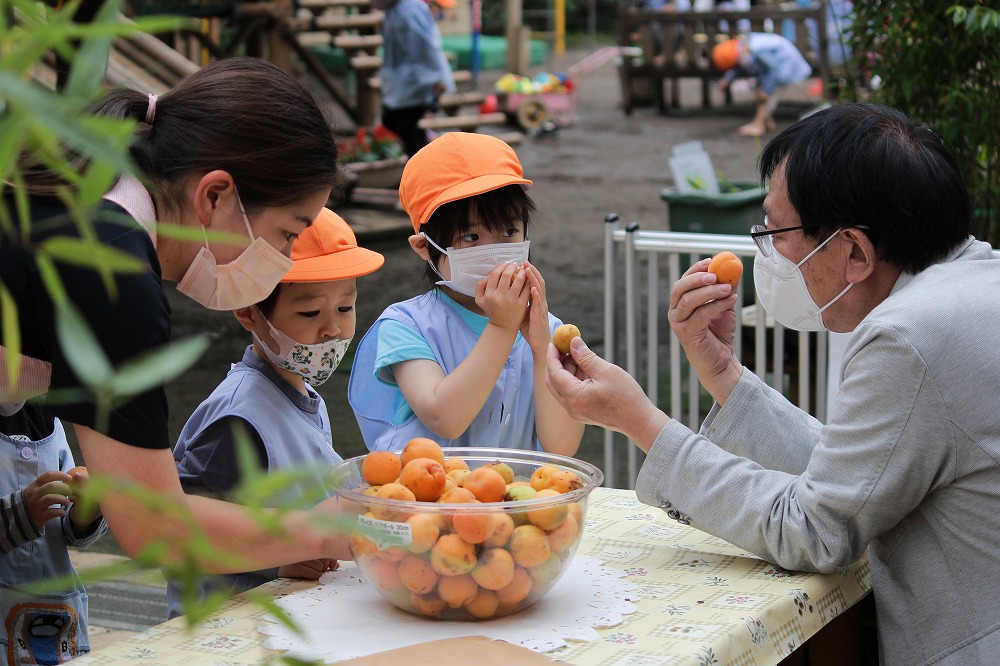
{"points": [[726, 54], [454, 166], [328, 250], [447, 4]]}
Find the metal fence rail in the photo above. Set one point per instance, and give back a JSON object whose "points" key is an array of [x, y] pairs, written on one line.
{"points": [[632, 316]]}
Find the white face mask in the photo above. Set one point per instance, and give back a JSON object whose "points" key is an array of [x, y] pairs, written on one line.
{"points": [[782, 290], [469, 265], [245, 281], [314, 363]]}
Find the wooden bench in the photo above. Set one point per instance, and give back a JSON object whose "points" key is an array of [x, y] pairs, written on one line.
{"points": [[467, 123], [678, 45]]}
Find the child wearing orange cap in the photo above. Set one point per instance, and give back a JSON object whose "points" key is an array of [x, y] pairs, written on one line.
{"points": [[770, 59], [464, 363], [300, 334]]}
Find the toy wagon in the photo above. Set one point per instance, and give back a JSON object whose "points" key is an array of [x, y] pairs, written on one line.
{"points": [[531, 110]]}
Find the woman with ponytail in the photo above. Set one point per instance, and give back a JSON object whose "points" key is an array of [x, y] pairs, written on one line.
{"points": [[239, 147]]}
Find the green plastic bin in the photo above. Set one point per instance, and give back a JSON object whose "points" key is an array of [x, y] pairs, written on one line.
{"points": [[724, 213]]}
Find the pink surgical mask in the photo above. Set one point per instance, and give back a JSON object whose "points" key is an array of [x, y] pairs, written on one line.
{"points": [[245, 281]]}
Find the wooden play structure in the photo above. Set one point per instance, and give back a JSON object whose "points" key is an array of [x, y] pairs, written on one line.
{"points": [[677, 45], [335, 42]]}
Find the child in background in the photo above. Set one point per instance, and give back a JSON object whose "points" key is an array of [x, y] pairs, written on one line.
{"points": [[464, 363], [300, 334], [772, 60], [39, 521]]}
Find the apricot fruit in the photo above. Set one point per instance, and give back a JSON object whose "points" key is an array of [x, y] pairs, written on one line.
{"points": [[541, 475], [503, 469], [494, 569], [430, 605], [547, 572], [421, 447], [59, 488], [425, 478], [564, 536], [484, 606], [727, 267], [550, 517], [458, 476], [452, 555], [380, 467], [386, 575], [79, 469], [562, 336], [563, 481], [361, 546], [517, 589], [417, 574], [486, 484], [529, 545], [391, 553], [503, 527], [519, 493], [474, 528], [457, 496], [458, 591], [454, 463], [576, 510], [424, 530], [394, 491]]}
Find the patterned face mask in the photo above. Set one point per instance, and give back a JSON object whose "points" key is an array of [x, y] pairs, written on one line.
{"points": [[314, 363]]}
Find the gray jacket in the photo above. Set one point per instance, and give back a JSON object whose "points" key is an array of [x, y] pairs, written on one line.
{"points": [[908, 466]]}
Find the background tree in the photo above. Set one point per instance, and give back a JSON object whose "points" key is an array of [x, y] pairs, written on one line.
{"points": [[939, 62]]}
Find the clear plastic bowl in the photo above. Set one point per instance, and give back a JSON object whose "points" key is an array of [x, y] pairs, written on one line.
{"points": [[439, 574]]}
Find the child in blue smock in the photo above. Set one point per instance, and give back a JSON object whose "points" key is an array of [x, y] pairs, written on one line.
{"points": [[39, 523], [464, 363], [300, 334], [770, 59]]}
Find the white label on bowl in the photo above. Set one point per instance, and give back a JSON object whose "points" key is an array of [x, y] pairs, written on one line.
{"points": [[385, 533]]}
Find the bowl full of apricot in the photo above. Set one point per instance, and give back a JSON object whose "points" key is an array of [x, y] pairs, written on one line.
{"points": [[464, 533]]}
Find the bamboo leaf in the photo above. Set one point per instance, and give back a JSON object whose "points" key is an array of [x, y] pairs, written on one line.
{"points": [[268, 604], [83, 354], [88, 253], [91, 59], [11, 330], [157, 366], [50, 278]]}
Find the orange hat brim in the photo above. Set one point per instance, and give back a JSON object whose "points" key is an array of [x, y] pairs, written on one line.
{"points": [[353, 262]]}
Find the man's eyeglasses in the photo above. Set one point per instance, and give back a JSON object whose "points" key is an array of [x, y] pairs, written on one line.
{"points": [[762, 235]]}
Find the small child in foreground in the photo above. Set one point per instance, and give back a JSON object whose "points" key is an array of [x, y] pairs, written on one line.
{"points": [[464, 363], [300, 334]]}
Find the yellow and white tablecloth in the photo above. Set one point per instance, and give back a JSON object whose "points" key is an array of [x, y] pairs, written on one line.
{"points": [[700, 601]]}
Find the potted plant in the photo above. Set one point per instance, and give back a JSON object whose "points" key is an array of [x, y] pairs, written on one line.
{"points": [[375, 157]]}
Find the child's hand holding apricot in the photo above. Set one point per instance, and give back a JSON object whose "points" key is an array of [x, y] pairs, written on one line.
{"points": [[727, 267]]}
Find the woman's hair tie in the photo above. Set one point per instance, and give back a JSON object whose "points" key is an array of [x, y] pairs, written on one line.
{"points": [[151, 108]]}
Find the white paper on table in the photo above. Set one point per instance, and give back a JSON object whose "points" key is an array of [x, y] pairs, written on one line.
{"points": [[345, 617]]}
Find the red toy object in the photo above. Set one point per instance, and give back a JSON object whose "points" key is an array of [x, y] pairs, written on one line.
{"points": [[490, 105]]}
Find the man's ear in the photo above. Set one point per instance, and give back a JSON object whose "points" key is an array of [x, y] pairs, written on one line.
{"points": [[245, 317], [419, 244], [862, 260], [212, 191]]}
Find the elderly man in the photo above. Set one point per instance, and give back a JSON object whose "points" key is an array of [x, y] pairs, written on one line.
{"points": [[867, 231]]}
